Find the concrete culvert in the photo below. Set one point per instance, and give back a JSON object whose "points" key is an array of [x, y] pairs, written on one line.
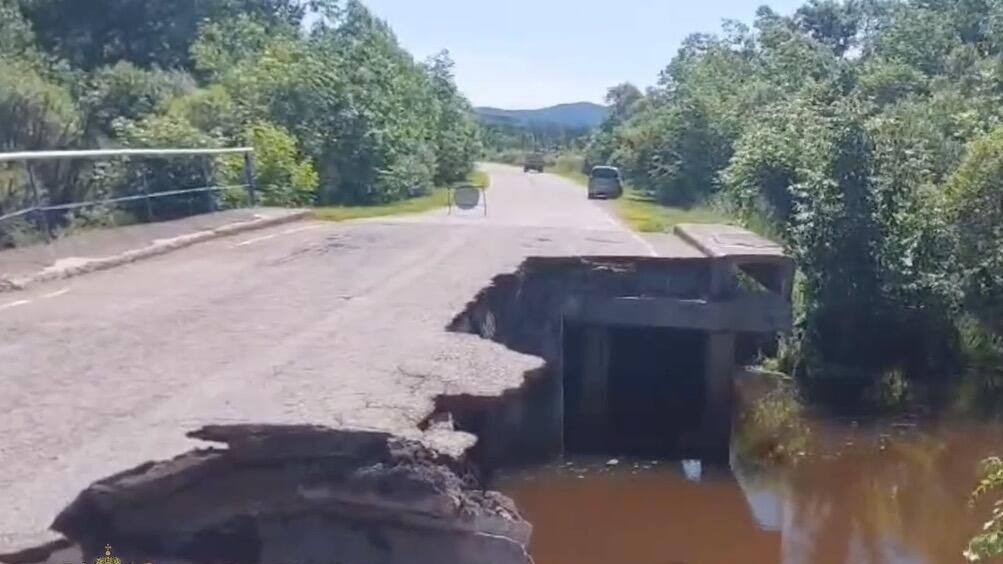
{"points": [[640, 356]]}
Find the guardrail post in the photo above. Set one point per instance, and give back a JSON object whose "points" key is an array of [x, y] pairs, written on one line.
{"points": [[37, 200], [249, 178], [210, 181], [146, 193]]}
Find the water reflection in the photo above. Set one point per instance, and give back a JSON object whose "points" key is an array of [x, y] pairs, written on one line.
{"points": [[895, 496]]}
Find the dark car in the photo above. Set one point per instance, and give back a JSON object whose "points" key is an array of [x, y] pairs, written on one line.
{"points": [[605, 182]]}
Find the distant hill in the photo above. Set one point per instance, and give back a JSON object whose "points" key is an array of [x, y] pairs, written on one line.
{"points": [[577, 115]]}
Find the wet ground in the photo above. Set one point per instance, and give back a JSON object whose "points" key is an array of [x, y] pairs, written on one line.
{"points": [[892, 495]]}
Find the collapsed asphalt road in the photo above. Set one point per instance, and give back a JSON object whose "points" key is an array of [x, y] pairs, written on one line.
{"points": [[341, 325]]}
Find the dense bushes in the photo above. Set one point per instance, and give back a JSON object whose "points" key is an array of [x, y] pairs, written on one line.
{"points": [[865, 135], [339, 113]]}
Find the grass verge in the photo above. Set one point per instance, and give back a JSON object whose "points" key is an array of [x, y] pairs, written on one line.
{"points": [[642, 213], [570, 167], [576, 176], [480, 179], [439, 198], [648, 216]]}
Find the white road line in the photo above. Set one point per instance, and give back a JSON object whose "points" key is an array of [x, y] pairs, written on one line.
{"points": [[14, 304], [644, 242], [56, 294], [274, 235], [257, 240], [304, 228], [637, 237]]}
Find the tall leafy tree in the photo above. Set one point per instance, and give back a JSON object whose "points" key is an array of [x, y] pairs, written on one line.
{"points": [[101, 32]]}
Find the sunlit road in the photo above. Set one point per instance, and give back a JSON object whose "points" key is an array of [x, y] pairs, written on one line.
{"points": [[337, 324]]}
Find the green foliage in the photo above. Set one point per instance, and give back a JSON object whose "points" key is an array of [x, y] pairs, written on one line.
{"points": [[36, 112], [16, 35], [339, 113], [438, 198], [125, 91], [163, 175], [103, 32], [282, 175], [975, 203], [457, 142], [209, 109], [831, 23], [772, 428], [865, 136], [647, 216], [989, 543], [500, 137]]}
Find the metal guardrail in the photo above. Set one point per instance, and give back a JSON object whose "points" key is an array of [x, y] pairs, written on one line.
{"points": [[102, 153], [41, 210]]}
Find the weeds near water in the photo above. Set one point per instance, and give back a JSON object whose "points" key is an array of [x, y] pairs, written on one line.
{"points": [[772, 428], [981, 385], [989, 543], [889, 391]]}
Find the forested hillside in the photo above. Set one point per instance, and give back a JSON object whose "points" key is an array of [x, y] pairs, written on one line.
{"points": [[575, 115], [338, 112], [867, 136]]}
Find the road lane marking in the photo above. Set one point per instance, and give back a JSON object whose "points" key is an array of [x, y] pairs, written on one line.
{"points": [[645, 243], [274, 235], [304, 228], [56, 294], [257, 240], [637, 237], [14, 304]]}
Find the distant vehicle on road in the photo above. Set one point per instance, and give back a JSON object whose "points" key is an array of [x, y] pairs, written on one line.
{"points": [[534, 161], [605, 182]]}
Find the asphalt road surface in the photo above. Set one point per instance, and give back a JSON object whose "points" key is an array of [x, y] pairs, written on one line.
{"points": [[335, 324]]}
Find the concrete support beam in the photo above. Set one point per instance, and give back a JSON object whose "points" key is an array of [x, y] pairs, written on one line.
{"points": [[755, 313], [719, 379], [594, 403]]}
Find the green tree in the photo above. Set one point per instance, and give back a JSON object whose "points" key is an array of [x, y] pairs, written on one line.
{"points": [[16, 35], [975, 200], [457, 142], [125, 91], [282, 175], [103, 32], [830, 22]]}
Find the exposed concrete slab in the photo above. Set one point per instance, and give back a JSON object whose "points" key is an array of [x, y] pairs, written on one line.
{"points": [[728, 241], [672, 245], [761, 313]]}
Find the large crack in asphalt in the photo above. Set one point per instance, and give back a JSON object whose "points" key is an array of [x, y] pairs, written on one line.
{"points": [[302, 494]]}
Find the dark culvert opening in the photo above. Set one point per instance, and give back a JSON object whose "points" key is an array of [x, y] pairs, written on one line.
{"points": [[645, 398], [631, 388]]}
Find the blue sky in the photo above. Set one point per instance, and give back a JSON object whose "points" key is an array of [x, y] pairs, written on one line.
{"points": [[532, 53]]}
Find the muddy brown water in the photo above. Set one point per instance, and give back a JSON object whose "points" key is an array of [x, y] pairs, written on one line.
{"points": [[892, 494]]}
